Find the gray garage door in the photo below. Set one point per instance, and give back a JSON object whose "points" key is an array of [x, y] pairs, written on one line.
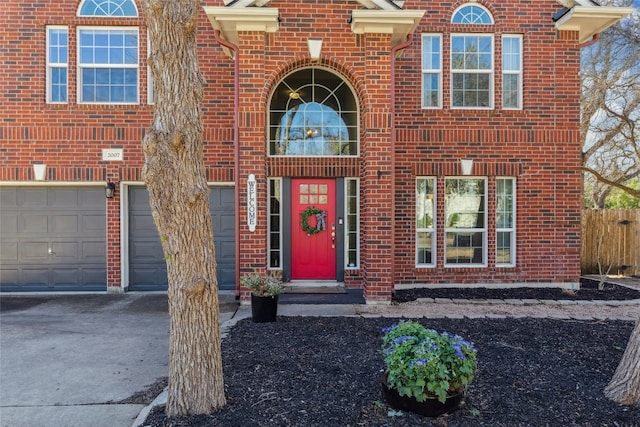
{"points": [[52, 239], [147, 268]]}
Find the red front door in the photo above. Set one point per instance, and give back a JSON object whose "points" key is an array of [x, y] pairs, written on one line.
{"points": [[313, 206]]}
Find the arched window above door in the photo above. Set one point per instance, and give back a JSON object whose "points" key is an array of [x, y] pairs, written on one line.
{"points": [[111, 8], [313, 112]]}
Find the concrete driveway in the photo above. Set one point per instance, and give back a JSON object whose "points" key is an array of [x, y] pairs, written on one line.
{"points": [[65, 359]]}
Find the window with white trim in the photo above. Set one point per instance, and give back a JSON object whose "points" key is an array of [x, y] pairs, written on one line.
{"points": [[472, 71], [505, 222], [274, 236], [425, 222], [352, 213], [511, 71], [107, 8], [465, 208], [108, 65], [432, 71], [57, 64], [472, 14]]}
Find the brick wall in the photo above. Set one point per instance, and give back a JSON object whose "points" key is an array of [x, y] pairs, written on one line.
{"points": [[538, 145]]}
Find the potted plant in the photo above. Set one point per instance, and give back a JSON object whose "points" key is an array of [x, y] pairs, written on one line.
{"points": [[264, 295], [426, 371]]}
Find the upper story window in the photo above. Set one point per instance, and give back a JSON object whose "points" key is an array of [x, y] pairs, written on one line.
{"points": [[511, 71], [313, 112], [113, 8], [57, 64], [472, 71], [431, 71], [471, 14], [108, 65]]}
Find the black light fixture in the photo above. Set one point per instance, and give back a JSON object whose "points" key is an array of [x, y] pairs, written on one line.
{"points": [[110, 189]]}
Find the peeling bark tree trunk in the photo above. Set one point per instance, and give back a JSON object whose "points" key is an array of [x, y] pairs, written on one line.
{"points": [[179, 198], [624, 387]]}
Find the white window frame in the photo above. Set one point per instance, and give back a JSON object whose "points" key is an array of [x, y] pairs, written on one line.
{"points": [[512, 229], [80, 66], [433, 229], [490, 72], [56, 65], [430, 71], [347, 266], [112, 15], [482, 230], [518, 72], [484, 9], [277, 182]]}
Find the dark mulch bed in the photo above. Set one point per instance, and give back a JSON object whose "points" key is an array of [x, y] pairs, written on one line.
{"points": [[588, 291], [309, 371]]}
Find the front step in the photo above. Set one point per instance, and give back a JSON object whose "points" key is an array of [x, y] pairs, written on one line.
{"points": [[314, 287]]}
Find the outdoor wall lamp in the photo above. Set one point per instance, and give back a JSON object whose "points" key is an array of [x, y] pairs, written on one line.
{"points": [[467, 166], [110, 189], [315, 47], [39, 172]]}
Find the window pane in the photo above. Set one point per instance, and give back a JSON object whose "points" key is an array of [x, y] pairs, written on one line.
{"points": [[57, 57], [108, 8], [503, 247], [425, 248], [465, 208], [108, 84], [472, 15], [351, 229], [465, 248]]}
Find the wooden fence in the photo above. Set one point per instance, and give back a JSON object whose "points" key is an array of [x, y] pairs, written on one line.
{"points": [[610, 242]]}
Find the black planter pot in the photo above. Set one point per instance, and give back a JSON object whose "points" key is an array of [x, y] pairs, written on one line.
{"points": [[431, 407], [264, 309]]}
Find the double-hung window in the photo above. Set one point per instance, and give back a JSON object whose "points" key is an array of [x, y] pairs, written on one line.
{"points": [[425, 222], [57, 64], [465, 222], [505, 222], [431, 71], [472, 71], [511, 71], [108, 65]]}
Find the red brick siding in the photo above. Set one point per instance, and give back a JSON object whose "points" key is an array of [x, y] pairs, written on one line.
{"points": [[539, 145]]}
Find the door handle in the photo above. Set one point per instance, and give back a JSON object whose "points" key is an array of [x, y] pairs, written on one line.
{"points": [[51, 252], [333, 240]]}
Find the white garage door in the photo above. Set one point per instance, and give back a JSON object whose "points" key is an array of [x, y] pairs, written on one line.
{"points": [[53, 239]]}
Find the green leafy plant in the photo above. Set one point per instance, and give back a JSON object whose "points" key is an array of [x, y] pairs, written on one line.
{"points": [[269, 285], [423, 363]]}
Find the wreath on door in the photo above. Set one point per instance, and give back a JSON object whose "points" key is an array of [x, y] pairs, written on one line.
{"points": [[311, 210]]}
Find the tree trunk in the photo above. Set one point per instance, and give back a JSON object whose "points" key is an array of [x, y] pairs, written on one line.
{"points": [[624, 387], [179, 196]]}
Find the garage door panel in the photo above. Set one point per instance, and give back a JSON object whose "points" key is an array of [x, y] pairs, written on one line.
{"points": [[8, 223], [9, 276], [34, 223], [8, 251], [94, 252], [60, 197], [66, 251], [92, 223], [227, 224], [9, 197], [65, 224], [38, 277], [144, 222], [34, 252], [33, 197]]}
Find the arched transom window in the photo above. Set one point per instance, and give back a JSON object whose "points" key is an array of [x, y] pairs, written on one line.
{"points": [[472, 14], [108, 8], [313, 112]]}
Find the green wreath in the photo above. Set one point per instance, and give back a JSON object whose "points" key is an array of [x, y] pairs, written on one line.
{"points": [[311, 210]]}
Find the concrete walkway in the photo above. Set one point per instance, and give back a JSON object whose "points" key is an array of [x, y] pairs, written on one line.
{"points": [[66, 360]]}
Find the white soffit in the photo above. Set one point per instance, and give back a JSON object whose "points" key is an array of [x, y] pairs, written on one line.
{"points": [[230, 20], [398, 23], [589, 20]]}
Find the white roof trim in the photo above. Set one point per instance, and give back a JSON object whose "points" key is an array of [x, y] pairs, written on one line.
{"points": [[590, 20], [230, 20], [399, 23]]}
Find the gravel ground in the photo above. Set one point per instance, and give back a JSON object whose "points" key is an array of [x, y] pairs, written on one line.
{"points": [[312, 371]]}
